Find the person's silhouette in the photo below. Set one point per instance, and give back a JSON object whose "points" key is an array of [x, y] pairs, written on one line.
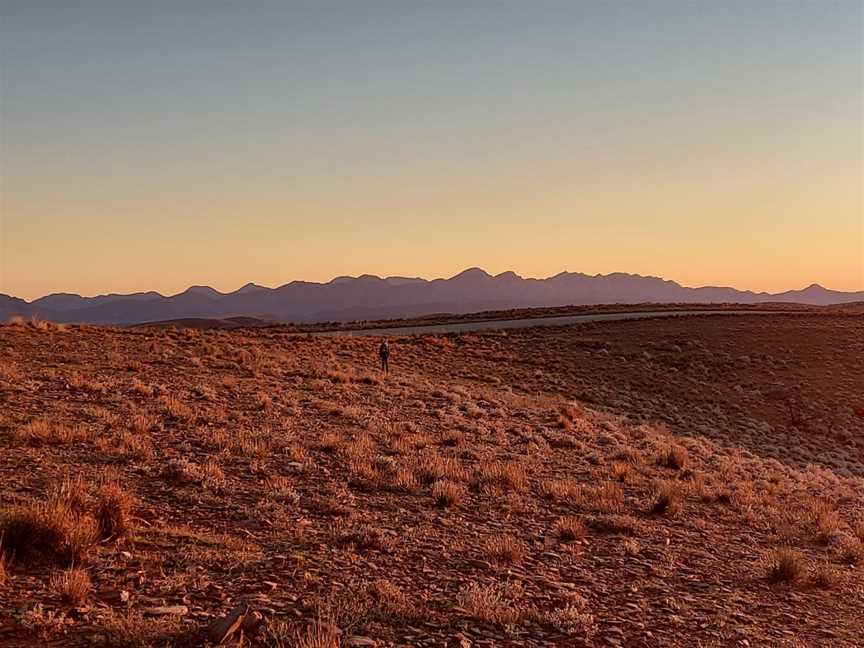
{"points": [[384, 355]]}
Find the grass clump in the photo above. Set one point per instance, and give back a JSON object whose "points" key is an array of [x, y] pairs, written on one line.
{"points": [[72, 584], [672, 456], [49, 529], [569, 528], [505, 549], [111, 511], [447, 494], [786, 565], [665, 499]]}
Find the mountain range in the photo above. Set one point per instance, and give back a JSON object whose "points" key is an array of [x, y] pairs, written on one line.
{"points": [[371, 297]]}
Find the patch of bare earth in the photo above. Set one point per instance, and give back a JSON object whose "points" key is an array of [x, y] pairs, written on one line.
{"points": [[693, 481]]}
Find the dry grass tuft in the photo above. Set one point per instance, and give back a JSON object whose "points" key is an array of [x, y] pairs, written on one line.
{"points": [[617, 524], [447, 493], [505, 549], [673, 456], [176, 408], [50, 530], [500, 475], [113, 505], [569, 528], [132, 630], [825, 576], [321, 633], [568, 413], [393, 603], [42, 432], [786, 565], [489, 603], [665, 498], [72, 584], [281, 489], [142, 422], [181, 471], [329, 442], [127, 447], [559, 490], [433, 467], [850, 550], [606, 497], [365, 538]]}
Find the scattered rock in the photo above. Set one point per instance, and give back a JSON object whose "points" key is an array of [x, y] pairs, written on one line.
{"points": [[223, 628], [167, 610]]}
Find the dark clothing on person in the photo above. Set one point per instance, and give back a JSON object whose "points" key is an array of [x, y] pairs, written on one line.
{"points": [[384, 354]]}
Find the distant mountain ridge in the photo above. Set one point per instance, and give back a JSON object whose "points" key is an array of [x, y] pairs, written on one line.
{"points": [[371, 297]]}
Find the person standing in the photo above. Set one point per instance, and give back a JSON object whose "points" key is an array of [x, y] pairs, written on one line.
{"points": [[384, 355]]}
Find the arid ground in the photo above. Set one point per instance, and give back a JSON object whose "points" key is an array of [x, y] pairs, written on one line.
{"points": [[696, 481]]}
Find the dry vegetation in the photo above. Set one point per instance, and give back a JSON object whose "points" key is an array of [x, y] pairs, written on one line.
{"points": [[692, 482]]}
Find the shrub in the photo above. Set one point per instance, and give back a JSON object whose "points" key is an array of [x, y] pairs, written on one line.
{"points": [[263, 401], [568, 413]]}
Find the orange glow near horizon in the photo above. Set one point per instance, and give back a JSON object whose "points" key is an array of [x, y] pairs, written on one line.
{"points": [[183, 144]]}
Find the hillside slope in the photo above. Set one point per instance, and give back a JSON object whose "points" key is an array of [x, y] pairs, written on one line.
{"points": [[465, 498]]}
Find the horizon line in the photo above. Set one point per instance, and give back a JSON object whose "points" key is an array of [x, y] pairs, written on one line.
{"points": [[248, 284]]}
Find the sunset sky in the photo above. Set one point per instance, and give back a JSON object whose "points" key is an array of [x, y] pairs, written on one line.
{"points": [[155, 145]]}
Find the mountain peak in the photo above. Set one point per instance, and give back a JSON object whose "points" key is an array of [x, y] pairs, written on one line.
{"points": [[249, 288], [207, 291], [509, 275], [472, 273]]}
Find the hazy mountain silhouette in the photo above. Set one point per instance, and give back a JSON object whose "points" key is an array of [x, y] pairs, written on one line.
{"points": [[371, 297]]}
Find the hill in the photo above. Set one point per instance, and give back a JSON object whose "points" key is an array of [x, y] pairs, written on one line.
{"points": [[369, 297], [642, 483]]}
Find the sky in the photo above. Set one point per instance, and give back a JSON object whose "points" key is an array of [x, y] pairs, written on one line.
{"points": [[157, 145]]}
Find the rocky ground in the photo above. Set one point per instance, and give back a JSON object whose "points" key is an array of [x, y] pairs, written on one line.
{"points": [[687, 482]]}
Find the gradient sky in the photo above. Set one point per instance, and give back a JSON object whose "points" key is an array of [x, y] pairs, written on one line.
{"points": [[154, 145]]}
